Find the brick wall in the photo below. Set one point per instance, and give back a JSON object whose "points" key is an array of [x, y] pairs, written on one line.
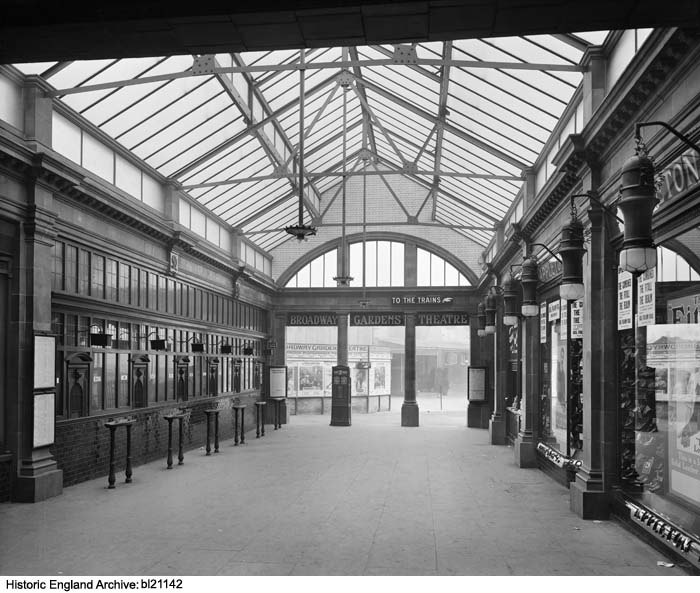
{"points": [[381, 207], [81, 446]]}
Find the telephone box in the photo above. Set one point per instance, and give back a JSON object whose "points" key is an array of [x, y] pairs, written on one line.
{"points": [[340, 396]]}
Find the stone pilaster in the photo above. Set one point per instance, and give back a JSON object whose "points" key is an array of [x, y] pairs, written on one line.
{"points": [[38, 476], [524, 446], [38, 111], [595, 63], [497, 423], [590, 492], [480, 355], [409, 408]]}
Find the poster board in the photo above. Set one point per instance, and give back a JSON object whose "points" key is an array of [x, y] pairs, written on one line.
{"points": [[44, 362], [476, 384], [44, 419], [278, 381]]}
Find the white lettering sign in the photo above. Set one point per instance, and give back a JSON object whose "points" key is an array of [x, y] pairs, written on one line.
{"points": [[624, 300], [554, 310], [543, 323], [577, 319], [646, 298]]}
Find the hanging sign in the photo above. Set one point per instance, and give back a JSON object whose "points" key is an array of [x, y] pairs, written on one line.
{"points": [[624, 300], [577, 319], [646, 298], [312, 319], [543, 323], [365, 318], [554, 311]]}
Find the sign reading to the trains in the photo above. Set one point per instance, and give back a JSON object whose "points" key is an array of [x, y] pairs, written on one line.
{"points": [[419, 299]]}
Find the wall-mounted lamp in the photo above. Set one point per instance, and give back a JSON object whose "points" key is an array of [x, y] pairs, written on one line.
{"points": [[510, 300], [195, 346], [480, 320], [99, 339], [571, 252], [638, 200], [490, 307], [529, 279], [156, 343]]}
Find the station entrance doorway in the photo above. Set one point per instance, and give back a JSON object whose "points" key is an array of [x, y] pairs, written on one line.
{"points": [[407, 361]]}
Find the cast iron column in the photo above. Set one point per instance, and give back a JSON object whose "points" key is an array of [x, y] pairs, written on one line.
{"points": [[343, 339], [589, 493], [409, 408]]}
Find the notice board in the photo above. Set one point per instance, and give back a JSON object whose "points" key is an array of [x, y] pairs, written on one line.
{"points": [[476, 384], [278, 381]]}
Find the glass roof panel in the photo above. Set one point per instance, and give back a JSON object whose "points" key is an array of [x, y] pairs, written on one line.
{"points": [[189, 128], [173, 156], [79, 73], [34, 68]]}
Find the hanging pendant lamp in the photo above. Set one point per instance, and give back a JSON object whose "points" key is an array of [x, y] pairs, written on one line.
{"points": [[344, 279], [301, 231]]}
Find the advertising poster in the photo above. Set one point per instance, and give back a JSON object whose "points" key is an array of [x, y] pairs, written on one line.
{"points": [[624, 300], [543, 323], [673, 351], [577, 319], [553, 311], [558, 383], [564, 319], [310, 380], [379, 379], [646, 298]]}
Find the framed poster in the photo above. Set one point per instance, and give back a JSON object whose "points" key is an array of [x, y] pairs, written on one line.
{"points": [[476, 384], [44, 419], [44, 362], [278, 381]]}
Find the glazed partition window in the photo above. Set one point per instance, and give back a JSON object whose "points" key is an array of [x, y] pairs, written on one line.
{"points": [[93, 274], [659, 383], [114, 363]]}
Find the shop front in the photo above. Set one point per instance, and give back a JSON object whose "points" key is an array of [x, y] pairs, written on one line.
{"points": [[659, 369]]}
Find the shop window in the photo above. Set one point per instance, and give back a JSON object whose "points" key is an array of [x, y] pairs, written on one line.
{"points": [[561, 410], [659, 385]]}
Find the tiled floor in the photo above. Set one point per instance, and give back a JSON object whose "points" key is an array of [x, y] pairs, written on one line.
{"points": [[310, 499]]}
